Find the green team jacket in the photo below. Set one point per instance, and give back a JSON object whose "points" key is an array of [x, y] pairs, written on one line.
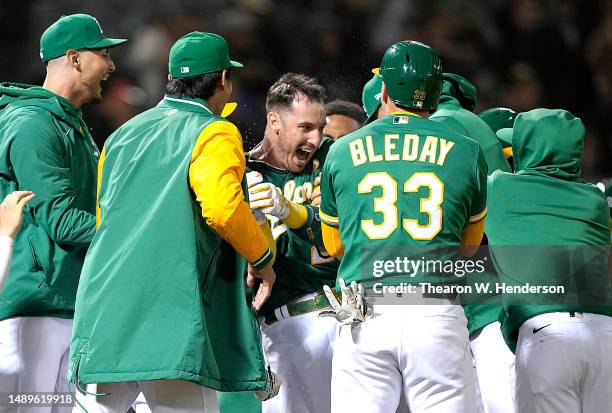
{"points": [[301, 267], [162, 296], [457, 102], [546, 226], [45, 147]]}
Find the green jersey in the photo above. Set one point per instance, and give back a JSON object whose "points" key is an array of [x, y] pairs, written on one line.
{"points": [[398, 187], [300, 266]]}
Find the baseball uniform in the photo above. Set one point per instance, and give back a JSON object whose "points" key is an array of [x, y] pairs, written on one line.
{"points": [[549, 230], [298, 346], [372, 186], [493, 361]]}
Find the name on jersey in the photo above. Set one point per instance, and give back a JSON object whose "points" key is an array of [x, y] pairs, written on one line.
{"points": [[401, 148]]}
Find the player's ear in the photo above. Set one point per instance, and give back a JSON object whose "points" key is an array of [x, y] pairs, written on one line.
{"points": [[384, 96], [274, 121], [225, 80], [73, 58]]}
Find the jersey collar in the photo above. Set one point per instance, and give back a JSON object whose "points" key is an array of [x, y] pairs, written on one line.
{"points": [[187, 103], [403, 112]]}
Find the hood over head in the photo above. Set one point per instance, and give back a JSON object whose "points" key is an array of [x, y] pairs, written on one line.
{"points": [[547, 142], [456, 87]]}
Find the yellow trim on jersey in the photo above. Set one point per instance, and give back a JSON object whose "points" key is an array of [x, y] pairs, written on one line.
{"points": [[471, 238], [328, 219], [331, 240], [267, 231], [478, 217], [215, 175], [100, 166], [404, 112]]}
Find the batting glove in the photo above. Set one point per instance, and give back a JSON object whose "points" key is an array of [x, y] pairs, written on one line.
{"points": [[273, 386], [353, 308], [265, 197]]}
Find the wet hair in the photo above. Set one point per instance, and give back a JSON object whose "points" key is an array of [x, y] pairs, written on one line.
{"points": [[346, 108], [200, 86], [287, 89]]}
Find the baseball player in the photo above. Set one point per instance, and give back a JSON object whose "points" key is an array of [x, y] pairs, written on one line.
{"points": [[341, 118], [45, 146], [370, 97], [493, 362], [496, 119], [297, 342], [173, 228], [403, 184], [559, 330]]}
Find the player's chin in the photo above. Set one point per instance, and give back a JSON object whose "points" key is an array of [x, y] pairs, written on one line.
{"points": [[298, 163]]}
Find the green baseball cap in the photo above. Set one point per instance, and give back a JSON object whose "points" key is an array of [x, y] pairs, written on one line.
{"points": [[505, 136], [76, 32], [370, 96], [197, 53]]}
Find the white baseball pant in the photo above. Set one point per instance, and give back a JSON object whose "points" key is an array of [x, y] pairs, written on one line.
{"points": [[563, 364], [422, 350], [299, 349], [494, 369], [34, 353], [162, 396]]}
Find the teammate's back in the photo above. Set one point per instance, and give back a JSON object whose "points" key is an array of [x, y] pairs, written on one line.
{"points": [[411, 182]]}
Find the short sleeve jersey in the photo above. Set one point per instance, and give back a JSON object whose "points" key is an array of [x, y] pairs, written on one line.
{"points": [[301, 268], [398, 186]]}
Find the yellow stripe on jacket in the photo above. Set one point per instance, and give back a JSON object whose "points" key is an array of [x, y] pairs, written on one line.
{"points": [[100, 166]]}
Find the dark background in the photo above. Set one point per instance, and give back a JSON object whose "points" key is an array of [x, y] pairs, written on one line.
{"points": [[519, 53]]}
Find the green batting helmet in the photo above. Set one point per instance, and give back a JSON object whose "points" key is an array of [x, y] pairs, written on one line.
{"points": [[412, 73]]}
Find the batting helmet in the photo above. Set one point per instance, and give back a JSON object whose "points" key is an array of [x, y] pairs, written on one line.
{"points": [[412, 73]]}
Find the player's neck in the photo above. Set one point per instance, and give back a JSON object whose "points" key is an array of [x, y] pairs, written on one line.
{"points": [[265, 152], [390, 108]]}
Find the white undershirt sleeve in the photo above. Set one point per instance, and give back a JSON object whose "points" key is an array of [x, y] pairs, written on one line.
{"points": [[6, 254]]}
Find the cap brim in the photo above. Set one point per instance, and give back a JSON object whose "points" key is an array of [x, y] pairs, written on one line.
{"points": [[107, 43], [234, 63], [373, 116], [505, 135]]}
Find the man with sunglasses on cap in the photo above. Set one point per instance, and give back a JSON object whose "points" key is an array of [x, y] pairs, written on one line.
{"points": [[45, 146], [161, 306]]}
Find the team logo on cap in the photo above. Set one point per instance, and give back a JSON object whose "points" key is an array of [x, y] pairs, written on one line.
{"points": [[184, 69]]}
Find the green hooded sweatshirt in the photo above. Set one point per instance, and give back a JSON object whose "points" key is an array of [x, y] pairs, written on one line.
{"points": [[546, 226], [457, 102], [45, 147]]}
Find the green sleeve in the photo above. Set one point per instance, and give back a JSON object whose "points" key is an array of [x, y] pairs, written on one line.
{"points": [[40, 162], [478, 208], [328, 209]]}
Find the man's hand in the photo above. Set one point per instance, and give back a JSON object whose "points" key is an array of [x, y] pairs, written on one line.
{"points": [[353, 308], [11, 212], [267, 276], [315, 197], [265, 197]]}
